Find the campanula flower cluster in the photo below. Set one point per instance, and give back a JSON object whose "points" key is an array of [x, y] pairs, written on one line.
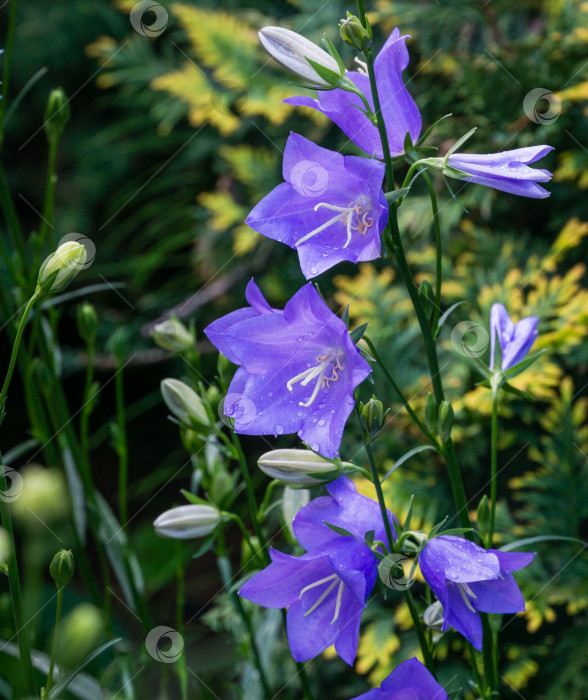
{"points": [[298, 369], [326, 589]]}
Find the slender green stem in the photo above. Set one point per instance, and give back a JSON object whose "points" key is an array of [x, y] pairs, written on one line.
{"points": [[12, 564], [47, 218], [428, 339], [493, 460], [47, 687], [379, 493], [251, 500], [438, 251], [121, 447], [426, 652], [86, 412], [432, 439], [7, 61], [224, 565], [19, 332], [14, 228], [181, 667], [490, 658]]}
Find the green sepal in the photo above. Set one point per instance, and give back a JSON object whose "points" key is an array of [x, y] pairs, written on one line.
{"points": [[513, 372], [357, 333], [338, 530], [392, 196], [429, 131], [326, 74], [460, 141]]}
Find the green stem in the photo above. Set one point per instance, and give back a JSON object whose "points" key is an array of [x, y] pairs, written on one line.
{"points": [[223, 563], [47, 218], [438, 251], [15, 347], [400, 395], [47, 687], [86, 412], [11, 563], [13, 227], [493, 461], [121, 447], [428, 339], [251, 500], [426, 652], [7, 61], [181, 667], [490, 658]]}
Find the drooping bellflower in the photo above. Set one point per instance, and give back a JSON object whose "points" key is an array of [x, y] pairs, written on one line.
{"points": [[325, 590], [410, 680], [399, 111], [468, 580], [330, 207], [516, 339], [507, 171], [298, 368]]}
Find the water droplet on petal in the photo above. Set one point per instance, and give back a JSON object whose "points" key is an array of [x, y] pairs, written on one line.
{"points": [[315, 446], [279, 429], [321, 423]]}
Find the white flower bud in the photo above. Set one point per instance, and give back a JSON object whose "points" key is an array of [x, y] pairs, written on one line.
{"points": [[61, 267], [291, 50], [299, 467], [185, 404], [172, 335], [187, 522]]}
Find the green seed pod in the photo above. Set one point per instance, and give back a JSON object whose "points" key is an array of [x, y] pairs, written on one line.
{"points": [[173, 335], [353, 32], [57, 114], [445, 421], [62, 568], [431, 413], [87, 322]]}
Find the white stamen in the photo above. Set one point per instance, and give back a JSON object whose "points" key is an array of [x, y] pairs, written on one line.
{"points": [[362, 65], [328, 223], [315, 584], [320, 600], [464, 595], [338, 602]]}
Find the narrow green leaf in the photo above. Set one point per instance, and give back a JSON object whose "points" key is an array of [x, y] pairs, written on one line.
{"points": [[461, 141], [541, 538], [448, 313], [406, 457], [522, 366], [429, 131], [392, 196], [408, 518], [357, 333], [338, 530], [59, 687]]}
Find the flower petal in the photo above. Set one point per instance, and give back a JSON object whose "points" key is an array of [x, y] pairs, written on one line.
{"points": [[513, 561], [460, 560], [499, 597], [415, 678], [459, 616], [524, 335]]}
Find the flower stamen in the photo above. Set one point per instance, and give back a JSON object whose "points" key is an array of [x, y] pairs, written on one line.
{"points": [[355, 216], [319, 371], [338, 602], [323, 595]]}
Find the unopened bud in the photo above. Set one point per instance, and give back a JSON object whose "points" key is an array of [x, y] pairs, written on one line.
{"points": [[87, 322], [297, 467], [62, 568], [56, 114], [445, 421], [431, 412], [291, 51], [483, 515], [61, 267], [373, 414], [353, 32], [426, 294], [185, 404], [118, 345], [172, 335], [433, 616], [187, 522]]}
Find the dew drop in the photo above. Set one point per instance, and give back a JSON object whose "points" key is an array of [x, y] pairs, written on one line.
{"points": [[279, 429], [315, 446], [321, 423]]}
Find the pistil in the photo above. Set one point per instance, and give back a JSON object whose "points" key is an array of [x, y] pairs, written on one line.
{"points": [[361, 223], [319, 371]]}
